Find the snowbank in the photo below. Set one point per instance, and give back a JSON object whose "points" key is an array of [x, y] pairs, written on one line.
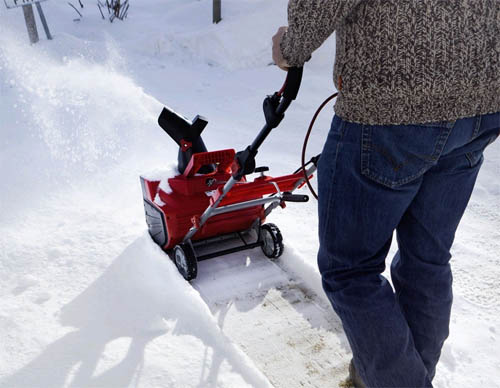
{"points": [[139, 307]]}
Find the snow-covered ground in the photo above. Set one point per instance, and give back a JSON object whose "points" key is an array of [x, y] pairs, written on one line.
{"points": [[87, 300]]}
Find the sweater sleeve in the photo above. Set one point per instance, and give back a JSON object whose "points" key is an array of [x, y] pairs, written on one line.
{"points": [[310, 23]]}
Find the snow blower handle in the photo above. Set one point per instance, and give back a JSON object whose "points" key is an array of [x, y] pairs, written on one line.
{"points": [[244, 161], [274, 111], [291, 86]]}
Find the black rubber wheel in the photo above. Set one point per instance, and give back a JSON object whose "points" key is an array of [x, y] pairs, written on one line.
{"points": [[272, 241], [185, 261]]}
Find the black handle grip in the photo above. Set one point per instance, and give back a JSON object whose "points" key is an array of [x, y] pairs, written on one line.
{"points": [[288, 197], [292, 83], [274, 111]]}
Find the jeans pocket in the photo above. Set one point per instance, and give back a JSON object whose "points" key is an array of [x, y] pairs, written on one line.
{"points": [[398, 154]]}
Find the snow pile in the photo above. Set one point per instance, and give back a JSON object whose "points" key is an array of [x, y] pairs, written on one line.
{"points": [[162, 175], [139, 301]]}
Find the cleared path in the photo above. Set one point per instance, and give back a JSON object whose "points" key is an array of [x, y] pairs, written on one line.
{"points": [[291, 334]]}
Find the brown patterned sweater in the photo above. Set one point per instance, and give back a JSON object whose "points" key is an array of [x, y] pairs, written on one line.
{"points": [[404, 61]]}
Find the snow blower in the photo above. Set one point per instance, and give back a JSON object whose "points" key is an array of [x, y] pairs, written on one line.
{"points": [[212, 207]]}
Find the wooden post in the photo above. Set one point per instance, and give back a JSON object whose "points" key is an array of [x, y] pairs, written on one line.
{"points": [[217, 11], [29, 17], [44, 21]]}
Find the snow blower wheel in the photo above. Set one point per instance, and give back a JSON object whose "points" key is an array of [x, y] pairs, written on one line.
{"points": [[272, 241], [185, 261]]}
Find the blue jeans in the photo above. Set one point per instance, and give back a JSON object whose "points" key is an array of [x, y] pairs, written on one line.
{"points": [[415, 180]]}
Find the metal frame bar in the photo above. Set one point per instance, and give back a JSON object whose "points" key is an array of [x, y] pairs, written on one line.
{"points": [[213, 210], [229, 236], [228, 251], [245, 205], [208, 212]]}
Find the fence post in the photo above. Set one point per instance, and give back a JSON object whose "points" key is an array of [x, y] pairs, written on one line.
{"points": [[29, 17], [217, 12], [44, 21]]}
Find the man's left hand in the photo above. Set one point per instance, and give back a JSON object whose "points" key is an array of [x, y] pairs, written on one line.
{"points": [[277, 54]]}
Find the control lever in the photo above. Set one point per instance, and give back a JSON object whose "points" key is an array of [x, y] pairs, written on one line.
{"points": [[289, 197]]}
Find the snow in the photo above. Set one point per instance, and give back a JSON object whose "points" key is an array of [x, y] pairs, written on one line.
{"points": [[162, 175], [87, 299]]}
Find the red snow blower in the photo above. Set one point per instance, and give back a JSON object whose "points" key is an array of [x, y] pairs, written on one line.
{"points": [[212, 207]]}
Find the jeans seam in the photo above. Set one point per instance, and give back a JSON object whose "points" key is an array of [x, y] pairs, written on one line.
{"points": [[468, 155], [365, 149], [334, 172], [477, 126]]}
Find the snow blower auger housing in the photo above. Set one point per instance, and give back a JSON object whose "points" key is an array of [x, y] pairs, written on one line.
{"points": [[212, 208]]}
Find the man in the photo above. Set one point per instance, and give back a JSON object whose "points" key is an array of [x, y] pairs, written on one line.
{"points": [[419, 84]]}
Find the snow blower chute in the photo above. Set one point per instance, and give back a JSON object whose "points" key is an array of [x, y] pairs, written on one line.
{"points": [[213, 209]]}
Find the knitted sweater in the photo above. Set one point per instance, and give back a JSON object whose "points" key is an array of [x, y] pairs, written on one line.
{"points": [[404, 61]]}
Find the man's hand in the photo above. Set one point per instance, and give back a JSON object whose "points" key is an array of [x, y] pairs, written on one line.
{"points": [[277, 55]]}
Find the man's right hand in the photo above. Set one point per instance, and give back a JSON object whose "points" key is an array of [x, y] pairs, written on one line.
{"points": [[278, 58]]}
